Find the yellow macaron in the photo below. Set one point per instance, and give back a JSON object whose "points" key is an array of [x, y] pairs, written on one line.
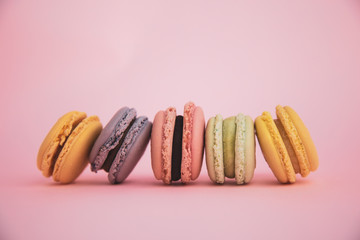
{"points": [[65, 150], [286, 144]]}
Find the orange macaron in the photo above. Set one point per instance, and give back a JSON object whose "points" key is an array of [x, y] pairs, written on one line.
{"points": [[65, 150]]}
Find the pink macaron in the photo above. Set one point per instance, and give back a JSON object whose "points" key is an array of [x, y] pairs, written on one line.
{"points": [[177, 144]]}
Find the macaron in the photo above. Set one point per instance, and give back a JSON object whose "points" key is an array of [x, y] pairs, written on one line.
{"points": [[121, 144], [177, 144], [230, 148], [286, 144], [65, 150]]}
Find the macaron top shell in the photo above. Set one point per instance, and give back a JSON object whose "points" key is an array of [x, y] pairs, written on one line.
{"points": [[55, 140], [218, 150], [240, 158], [214, 149], [192, 142], [245, 162], [187, 142], [131, 150], [73, 158], [295, 140], [110, 136], [305, 137]]}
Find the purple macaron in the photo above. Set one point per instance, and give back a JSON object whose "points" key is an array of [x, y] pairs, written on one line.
{"points": [[121, 144]]}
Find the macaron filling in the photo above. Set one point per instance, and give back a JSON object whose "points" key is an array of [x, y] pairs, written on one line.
{"points": [[240, 149], [127, 143], [280, 146], [108, 150], [176, 155]]}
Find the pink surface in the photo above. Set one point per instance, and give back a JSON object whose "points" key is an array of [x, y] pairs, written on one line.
{"points": [[237, 56]]}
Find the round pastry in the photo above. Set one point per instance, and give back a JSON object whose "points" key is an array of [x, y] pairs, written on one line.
{"points": [[286, 144], [177, 144], [65, 150], [121, 144], [230, 148]]}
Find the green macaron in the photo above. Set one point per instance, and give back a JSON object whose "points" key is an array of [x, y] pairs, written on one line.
{"points": [[230, 148]]}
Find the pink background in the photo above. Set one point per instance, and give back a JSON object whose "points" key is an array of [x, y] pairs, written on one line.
{"points": [[226, 56]]}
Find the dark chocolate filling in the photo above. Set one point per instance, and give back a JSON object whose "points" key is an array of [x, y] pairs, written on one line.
{"points": [[112, 154], [176, 154]]}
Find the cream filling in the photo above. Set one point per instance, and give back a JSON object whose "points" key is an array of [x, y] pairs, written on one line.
{"points": [[240, 149]]}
